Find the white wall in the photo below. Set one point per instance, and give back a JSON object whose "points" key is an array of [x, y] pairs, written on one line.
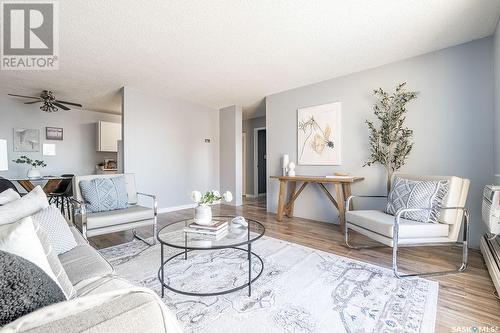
{"points": [[164, 145], [452, 121], [231, 150], [248, 127], [75, 154]]}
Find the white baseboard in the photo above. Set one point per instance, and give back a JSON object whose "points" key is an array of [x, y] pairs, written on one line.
{"points": [[262, 194], [175, 208], [250, 195]]}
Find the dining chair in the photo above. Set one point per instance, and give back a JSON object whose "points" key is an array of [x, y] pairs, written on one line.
{"points": [[62, 194], [5, 184]]}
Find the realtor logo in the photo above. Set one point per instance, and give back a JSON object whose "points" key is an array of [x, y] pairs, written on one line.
{"points": [[30, 35]]}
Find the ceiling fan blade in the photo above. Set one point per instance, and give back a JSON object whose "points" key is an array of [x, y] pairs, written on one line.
{"points": [[34, 102], [64, 107], [23, 96], [69, 103]]}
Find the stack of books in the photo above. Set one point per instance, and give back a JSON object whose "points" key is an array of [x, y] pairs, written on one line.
{"points": [[216, 231]]}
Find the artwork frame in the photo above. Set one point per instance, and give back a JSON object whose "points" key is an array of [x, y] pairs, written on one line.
{"points": [[54, 133], [319, 134], [26, 139]]}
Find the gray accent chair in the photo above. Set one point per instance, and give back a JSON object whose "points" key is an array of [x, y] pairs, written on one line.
{"points": [[132, 217], [395, 231]]}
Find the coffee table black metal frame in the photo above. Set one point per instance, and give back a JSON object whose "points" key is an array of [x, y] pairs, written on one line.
{"points": [[237, 246]]}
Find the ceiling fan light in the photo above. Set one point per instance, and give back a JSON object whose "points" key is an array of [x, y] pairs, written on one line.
{"points": [[48, 107]]}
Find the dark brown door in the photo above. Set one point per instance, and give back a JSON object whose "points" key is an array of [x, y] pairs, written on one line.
{"points": [[261, 160]]}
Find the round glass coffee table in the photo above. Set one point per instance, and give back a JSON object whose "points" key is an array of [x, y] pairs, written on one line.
{"points": [[238, 237]]}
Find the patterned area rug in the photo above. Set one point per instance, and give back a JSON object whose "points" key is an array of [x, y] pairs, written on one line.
{"points": [[300, 290]]}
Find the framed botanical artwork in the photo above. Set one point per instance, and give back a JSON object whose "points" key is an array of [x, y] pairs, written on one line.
{"points": [[319, 134], [53, 133], [26, 140]]}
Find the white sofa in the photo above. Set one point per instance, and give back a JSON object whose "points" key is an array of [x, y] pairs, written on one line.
{"points": [[104, 303]]}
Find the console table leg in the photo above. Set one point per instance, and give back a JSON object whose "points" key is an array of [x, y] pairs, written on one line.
{"points": [[249, 269], [281, 201], [162, 273], [340, 205]]}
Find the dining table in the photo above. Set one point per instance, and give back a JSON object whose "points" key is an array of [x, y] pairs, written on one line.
{"points": [[50, 183]]}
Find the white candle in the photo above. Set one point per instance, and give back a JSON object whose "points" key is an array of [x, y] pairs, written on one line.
{"points": [[286, 159]]}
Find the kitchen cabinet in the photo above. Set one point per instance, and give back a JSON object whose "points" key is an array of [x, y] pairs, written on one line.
{"points": [[108, 135]]}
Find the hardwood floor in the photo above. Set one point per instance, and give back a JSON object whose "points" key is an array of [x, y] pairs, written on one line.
{"points": [[465, 300]]}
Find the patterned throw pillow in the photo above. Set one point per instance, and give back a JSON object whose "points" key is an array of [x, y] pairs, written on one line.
{"points": [[104, 194], [55, 264], [407, 193], [24, 287], [56, 228]]}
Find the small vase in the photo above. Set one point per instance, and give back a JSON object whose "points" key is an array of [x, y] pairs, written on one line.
{"points": [[203, 215], [34, 173]]}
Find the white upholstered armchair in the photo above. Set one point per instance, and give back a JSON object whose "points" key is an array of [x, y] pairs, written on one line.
{"points": [[132, 217], [396, 231]]}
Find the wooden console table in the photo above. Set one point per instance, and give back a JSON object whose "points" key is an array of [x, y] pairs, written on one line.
{"points": [[342, 192]]}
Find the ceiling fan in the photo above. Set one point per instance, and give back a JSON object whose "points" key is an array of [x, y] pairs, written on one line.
{"points": [[49, 102]]}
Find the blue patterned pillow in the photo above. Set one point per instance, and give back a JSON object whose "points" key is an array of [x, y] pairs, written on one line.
{"points": [[407, 193], [104, 194]]}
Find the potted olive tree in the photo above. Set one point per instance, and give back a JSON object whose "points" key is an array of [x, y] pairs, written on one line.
{"points": [[391, 142]]}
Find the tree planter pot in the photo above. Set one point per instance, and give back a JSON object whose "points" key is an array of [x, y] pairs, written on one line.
{"points": [[203, 215]]}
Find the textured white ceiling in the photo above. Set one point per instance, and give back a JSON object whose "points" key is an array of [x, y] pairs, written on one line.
{"points": [[219, 53]]}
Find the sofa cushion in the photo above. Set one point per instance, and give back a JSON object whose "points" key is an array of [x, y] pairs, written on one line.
{"points": [[131, 214], [120, 311], [21, 239], [84, 262], [104, 284], [24, 287], [104, 194], [382, 223], [56, 228], [414, 194], [55, 263], [78, 236], [8, 195], [28, 205]]}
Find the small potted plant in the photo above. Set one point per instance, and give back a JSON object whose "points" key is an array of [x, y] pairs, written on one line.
{"points": [[203, 212], [33, 172]]}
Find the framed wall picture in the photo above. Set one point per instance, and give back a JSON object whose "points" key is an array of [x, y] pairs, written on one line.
{"points": [[26, 140], [53, 133], [319, 135]]}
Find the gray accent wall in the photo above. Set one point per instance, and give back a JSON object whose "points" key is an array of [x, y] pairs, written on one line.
{"points": [[75, 154], [452, 121], [164, 146], [496, 68], [248, 127]]}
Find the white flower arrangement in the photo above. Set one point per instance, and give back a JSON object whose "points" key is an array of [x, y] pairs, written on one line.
{"points": [[210, 197]]}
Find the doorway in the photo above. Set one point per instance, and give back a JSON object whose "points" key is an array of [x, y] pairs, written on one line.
{"points": [[260, 172]]}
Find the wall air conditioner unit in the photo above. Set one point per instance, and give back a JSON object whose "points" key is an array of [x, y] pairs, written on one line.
{"points": [[490, 243]]}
